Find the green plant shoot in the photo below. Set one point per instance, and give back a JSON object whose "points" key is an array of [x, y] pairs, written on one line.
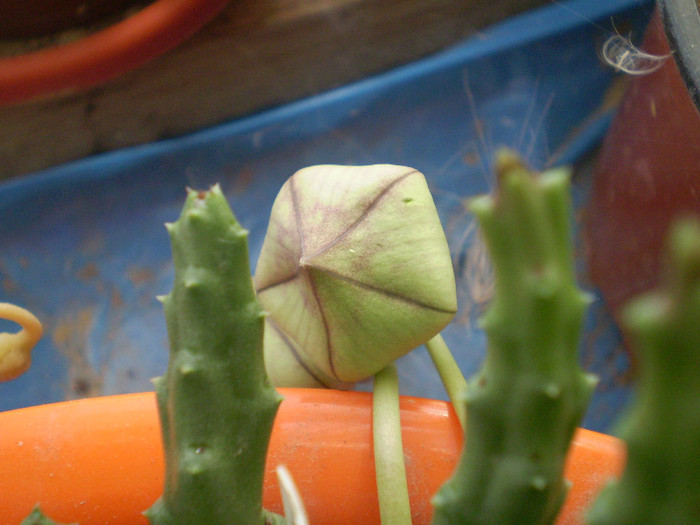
{"points": [[37, 517], [525, 402], [215, 402], [661, 481]]}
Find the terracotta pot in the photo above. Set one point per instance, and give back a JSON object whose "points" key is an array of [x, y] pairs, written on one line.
{"points": [[105, 54], [648, 171], [99, 461]]}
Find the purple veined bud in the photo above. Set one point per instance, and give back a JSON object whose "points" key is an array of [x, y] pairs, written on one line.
{"points": [[355, 272]]}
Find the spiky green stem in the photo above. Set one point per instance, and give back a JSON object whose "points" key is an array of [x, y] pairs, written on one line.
{"points": [[527, 399], [37, 517], [215, 403], [392, 487], [661, 482]]}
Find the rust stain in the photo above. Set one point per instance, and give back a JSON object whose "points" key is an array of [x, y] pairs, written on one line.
{"points": [[9, 285], [242, 180], [471, 158], [88, 272], [93, 244], [70, 338], [116, 300], [139, 276]]}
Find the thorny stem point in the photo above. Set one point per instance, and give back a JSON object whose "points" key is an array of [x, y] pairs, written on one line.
{"points": [[37, 517]]}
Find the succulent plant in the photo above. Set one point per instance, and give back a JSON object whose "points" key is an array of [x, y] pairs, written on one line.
{"points": [[37, 517], [661, 481], [354, 271], [215, 402], [525, 402]]}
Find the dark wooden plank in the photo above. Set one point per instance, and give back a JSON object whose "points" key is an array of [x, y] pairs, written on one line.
{"points": [[257, 54]]}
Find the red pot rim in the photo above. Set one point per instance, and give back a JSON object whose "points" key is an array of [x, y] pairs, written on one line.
{"points": [[106, 54]]}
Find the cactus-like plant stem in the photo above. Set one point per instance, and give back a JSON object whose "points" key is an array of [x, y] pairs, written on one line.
{"points": [[37, 517], [661, 482], [525, 402], [215, 403]]}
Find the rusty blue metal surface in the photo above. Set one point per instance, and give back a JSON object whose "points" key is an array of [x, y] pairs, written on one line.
{"points": [[83, 245]]}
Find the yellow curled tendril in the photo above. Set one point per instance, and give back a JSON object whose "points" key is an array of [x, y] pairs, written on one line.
{"points": [[16, 348]]}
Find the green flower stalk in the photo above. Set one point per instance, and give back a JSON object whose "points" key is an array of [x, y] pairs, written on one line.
{"points": [[661, 481], [525, 402], [389, 466], [215, 402]]}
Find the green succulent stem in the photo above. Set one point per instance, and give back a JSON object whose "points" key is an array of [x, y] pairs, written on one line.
{"points": [[37, 517], [450, 374], [392, 487], [530, 394], [661, 481], [215, 403]]}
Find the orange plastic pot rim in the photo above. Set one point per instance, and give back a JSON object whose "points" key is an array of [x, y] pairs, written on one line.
{"points": [[106, 54], [100, 461]]}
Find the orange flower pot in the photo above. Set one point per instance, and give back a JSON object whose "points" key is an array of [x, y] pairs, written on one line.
{"points": [[105, 54], [100, 461]]}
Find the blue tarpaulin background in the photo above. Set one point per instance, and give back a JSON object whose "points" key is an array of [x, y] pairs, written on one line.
{"points": [[83, 244]]}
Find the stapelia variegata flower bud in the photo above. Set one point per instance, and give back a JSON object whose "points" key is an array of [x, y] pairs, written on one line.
{"points": [[354, 271]]}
